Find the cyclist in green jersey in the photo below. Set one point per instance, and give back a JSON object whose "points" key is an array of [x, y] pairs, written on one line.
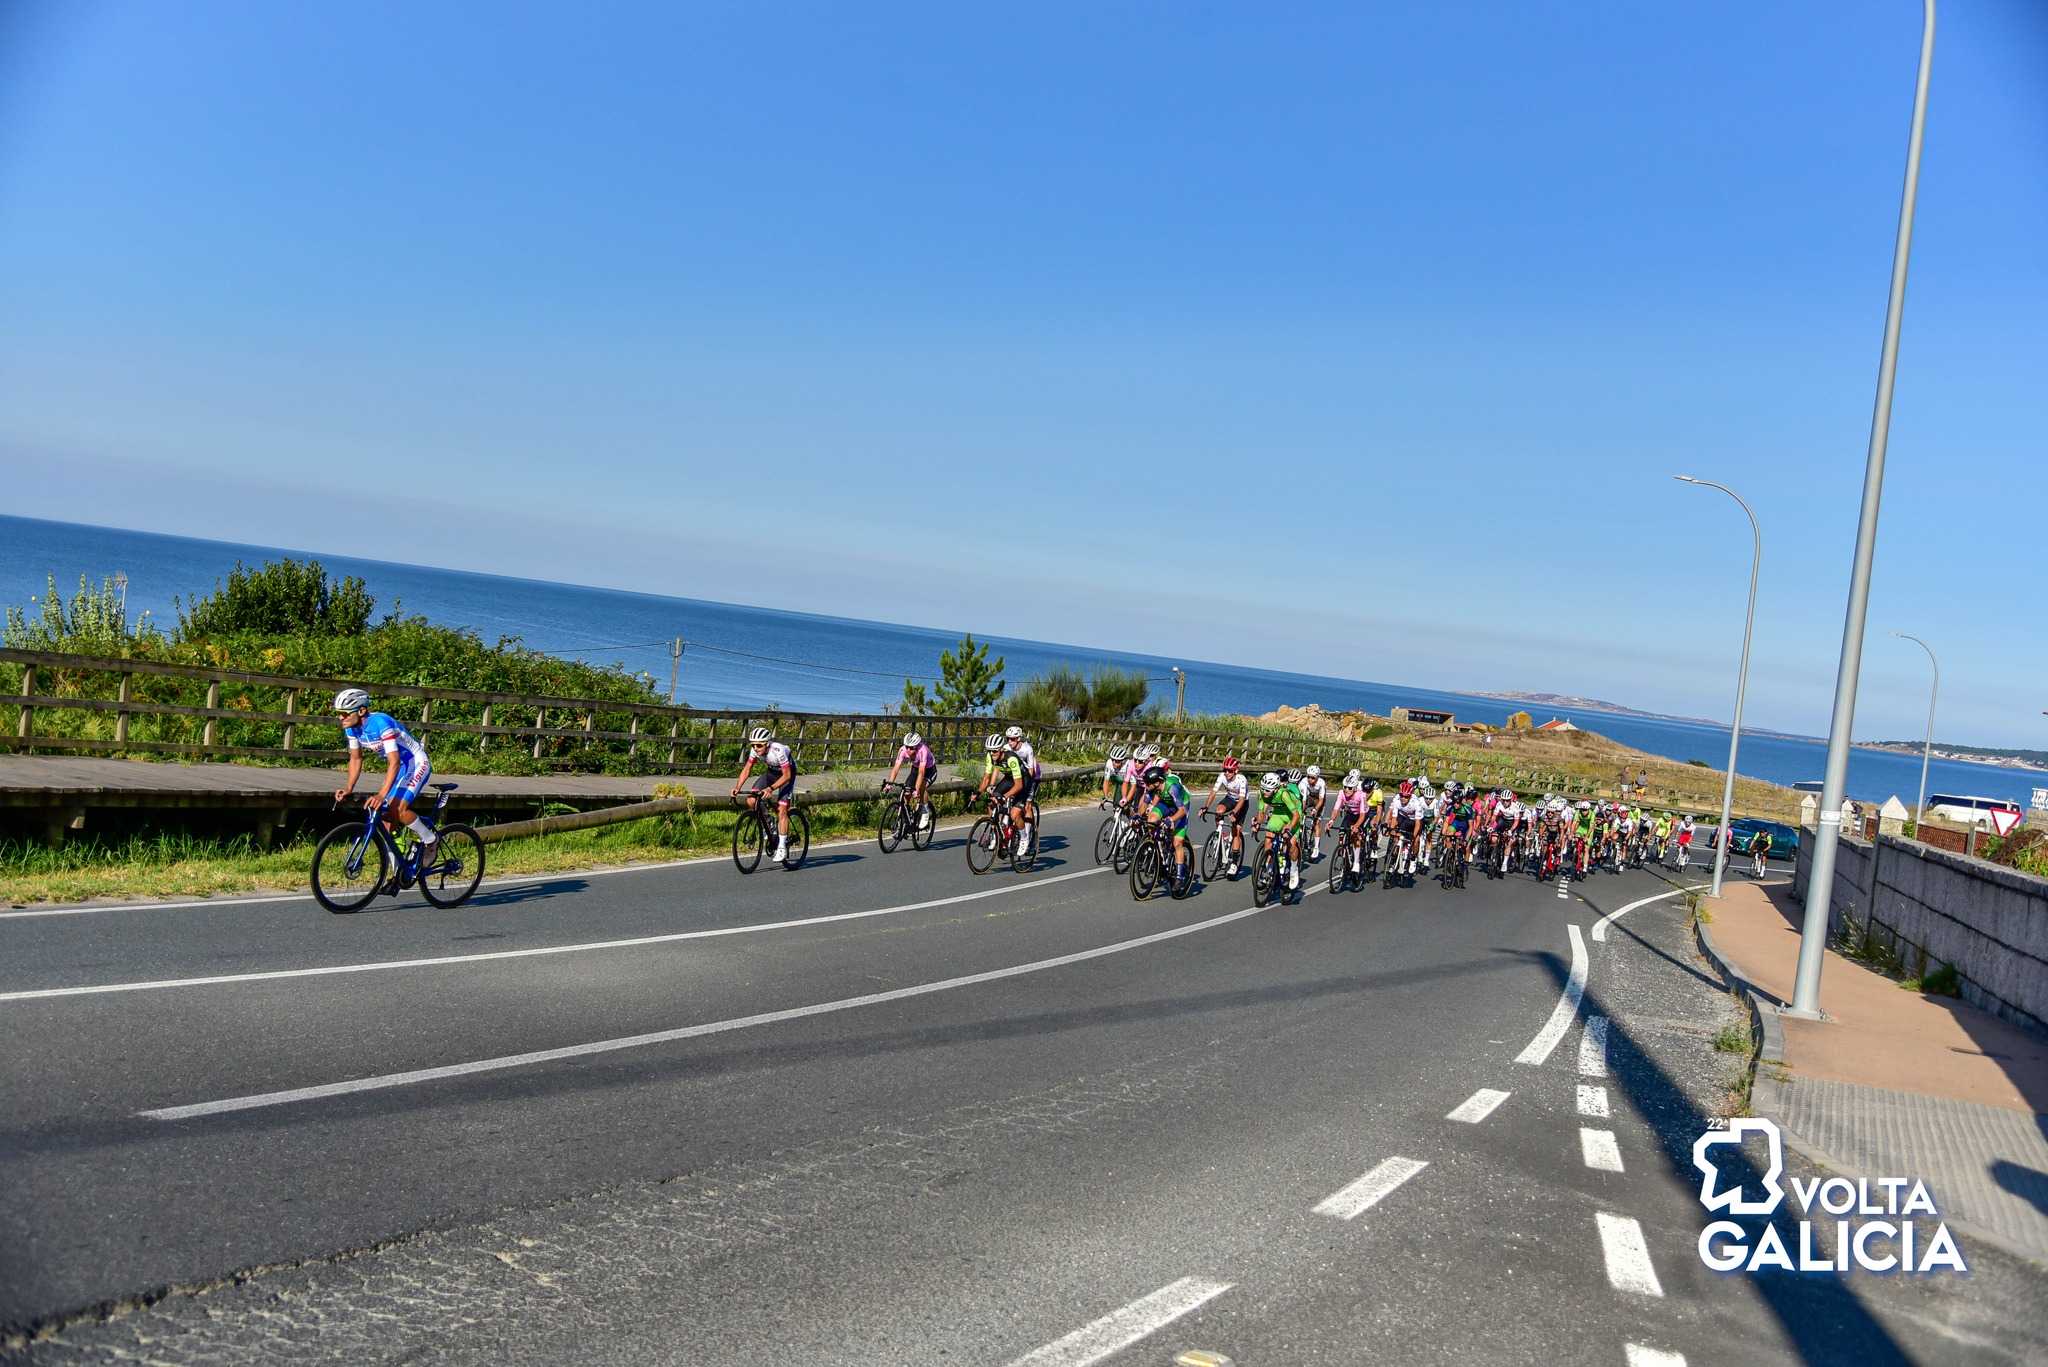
{"points": [[1587, 824], [1282, 808]]}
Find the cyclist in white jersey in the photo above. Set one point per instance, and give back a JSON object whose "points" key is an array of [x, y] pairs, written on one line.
{"points": [[406, 768], [776, 782], [1232, 794], [1314, 792]]}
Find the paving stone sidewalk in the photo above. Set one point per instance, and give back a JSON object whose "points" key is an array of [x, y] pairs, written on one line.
{"points": [[1893, 1083]]}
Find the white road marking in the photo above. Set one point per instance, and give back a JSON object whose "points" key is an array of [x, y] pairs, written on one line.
{"points": [[1599, 1150], [1593, 1101], [1600, 926], [1566, 1010], [1593, 1047], [1120, 1329], [1478, 1106], [385, 965], [1628, 1257], [607, 1046], [1369, 1190], [1642, 1355]]}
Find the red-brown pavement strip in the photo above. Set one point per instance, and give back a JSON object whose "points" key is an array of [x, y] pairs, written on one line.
{"points": [[1876, 1034]]}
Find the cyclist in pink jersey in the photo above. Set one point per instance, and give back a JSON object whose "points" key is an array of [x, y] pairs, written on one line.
{"points": [[924, 766]]}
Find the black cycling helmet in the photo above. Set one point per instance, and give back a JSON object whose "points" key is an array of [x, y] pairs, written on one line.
{"points": [[1154, 776]]}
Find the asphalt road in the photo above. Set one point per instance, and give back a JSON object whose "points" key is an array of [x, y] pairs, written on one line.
{"points": [[881, 1111]]}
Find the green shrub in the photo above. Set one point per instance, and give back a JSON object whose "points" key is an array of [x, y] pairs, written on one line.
{"points": [[280, 598], [95, 621]]}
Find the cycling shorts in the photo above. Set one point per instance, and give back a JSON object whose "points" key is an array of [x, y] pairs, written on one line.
{"points": [[1174, 821], [1277, 819], [782, 792], [412, 778]]}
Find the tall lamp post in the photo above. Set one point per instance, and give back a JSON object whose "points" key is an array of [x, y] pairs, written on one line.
{"points": [[1756, 560], [1927, 750], [1820, 887]]}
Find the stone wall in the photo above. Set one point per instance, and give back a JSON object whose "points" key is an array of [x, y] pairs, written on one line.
{"points": [[1933, 907]]}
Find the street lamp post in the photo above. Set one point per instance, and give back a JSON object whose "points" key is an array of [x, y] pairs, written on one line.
{"points": [[1820, 887], [1927, 750], [1756, 560]]}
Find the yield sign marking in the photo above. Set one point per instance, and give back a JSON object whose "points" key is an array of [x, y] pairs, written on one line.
{"points": [[2003, 819]]}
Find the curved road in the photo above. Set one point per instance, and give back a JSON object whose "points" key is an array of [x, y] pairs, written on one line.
{"points": [[874, 1111]]}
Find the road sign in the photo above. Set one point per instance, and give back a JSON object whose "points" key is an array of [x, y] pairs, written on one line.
{"points": [[2041, 799], [2003, 819]]}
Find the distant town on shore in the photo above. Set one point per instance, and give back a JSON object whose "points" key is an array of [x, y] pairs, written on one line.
{"points": [[1966, 754]]}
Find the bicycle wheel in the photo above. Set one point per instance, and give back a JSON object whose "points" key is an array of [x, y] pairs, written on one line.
{"points": [[1126, 847], [799, 838], [1023, 856], [457, 868], [1265, 873], [349, 866], [1145, 870], [1212, 856], [891, 833], [923, 823], [1340, 867], [1105, 839], [981, 845], [749, 837]]}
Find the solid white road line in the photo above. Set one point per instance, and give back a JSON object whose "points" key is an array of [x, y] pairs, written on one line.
{"points": [[1642, 1355], [384, 965], [1367, 1192], [1566, 1010], [1599, 1150], [1478, 1106], [607, 1046], [1600, 926], [1593, 1047], [1120, 1329], [1628, 1257], [1593, 1101]]}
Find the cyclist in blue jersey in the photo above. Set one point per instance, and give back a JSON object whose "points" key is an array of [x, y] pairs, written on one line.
{"points": [[406, 768]]}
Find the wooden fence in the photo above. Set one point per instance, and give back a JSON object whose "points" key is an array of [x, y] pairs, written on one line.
{"points": [[76, 704]]}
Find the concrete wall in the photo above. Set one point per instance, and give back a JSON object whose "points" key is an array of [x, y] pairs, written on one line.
{"points": [[1936, 907]]}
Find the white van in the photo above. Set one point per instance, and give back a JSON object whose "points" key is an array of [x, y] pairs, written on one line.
{"points": [[1974, 811]]}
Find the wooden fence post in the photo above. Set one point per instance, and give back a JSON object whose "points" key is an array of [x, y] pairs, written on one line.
{"points": [[212, 701], [634, 748], [589, 719], [121, 718], [291, 709], [483, 737], [23, 725], [538, 714], [675, 724]]}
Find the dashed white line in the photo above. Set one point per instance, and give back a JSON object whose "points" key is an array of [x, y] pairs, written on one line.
{"points": [[1593, 1101], [1599, 1149], [1600, 926], [1478, 1106], [539, 1056], [1368, 1191], [1628, 1257], [1642, 1355], [1566, 1010], [1593, 1047], [1119, 1329], [386, 965]]}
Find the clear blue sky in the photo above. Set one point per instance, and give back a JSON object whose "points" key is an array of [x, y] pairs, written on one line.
{"points": [[1431, 297]]}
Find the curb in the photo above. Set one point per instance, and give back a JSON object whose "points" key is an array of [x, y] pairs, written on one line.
{"points": [[1768, 1035]]}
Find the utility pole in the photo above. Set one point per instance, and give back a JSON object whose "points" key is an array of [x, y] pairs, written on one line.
{"points": [[675, 669], [1180, 693]]}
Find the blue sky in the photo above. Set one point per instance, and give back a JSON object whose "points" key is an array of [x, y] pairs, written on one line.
{"points": [[1002, 317]]}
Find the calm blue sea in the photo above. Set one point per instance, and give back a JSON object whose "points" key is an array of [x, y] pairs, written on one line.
{"points": [[744, 657]]}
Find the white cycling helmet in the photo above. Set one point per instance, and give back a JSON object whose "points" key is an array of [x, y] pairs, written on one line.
{"points": [[1294, 775], [760, 735], [351, 700], [994, 742], [912, 741], [1351, 783], [1119, 753], [1270, 784], [1314, 771], [1013, 733]]}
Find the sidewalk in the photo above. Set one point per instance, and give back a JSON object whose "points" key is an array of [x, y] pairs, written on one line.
{"points": [[1893, 1083]]}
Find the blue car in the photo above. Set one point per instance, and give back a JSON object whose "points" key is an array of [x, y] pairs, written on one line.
{"points": [[1784, 839]]}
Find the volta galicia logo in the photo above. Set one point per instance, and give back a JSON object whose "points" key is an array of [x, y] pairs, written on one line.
{"points": [[1886, 1224]]}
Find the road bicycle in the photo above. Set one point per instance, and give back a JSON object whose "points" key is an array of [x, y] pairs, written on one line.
{"points": [[356, 861], [1759, 862], [994, 838], [900, 822], [1153, 866], [1217, 849], [1452, 861], [1269, 880], [754, 834], [1400, 861], [1115, 837], [1349, 866]]}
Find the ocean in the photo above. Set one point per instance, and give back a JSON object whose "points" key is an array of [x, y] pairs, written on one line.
{"points": [[737, 656]]}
